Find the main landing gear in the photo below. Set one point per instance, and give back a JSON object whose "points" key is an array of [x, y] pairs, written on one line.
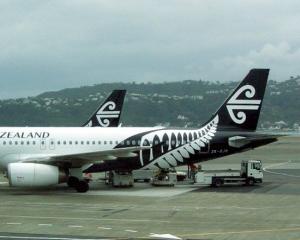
{"points": [[80, 185], [77, 180]]}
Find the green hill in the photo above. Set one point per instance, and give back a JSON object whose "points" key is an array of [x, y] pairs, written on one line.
{"points": [[185, 103]]}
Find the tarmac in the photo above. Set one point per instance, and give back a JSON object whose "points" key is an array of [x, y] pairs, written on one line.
{"points": [[267, 211]]}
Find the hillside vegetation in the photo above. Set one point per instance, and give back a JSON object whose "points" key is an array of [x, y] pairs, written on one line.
{"points": [[185, 103]]}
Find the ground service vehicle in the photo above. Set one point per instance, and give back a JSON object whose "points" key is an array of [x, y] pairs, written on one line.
{"points": [[250, 173]]}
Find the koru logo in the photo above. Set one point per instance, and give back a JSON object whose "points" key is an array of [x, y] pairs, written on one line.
{"points": [[107, 112], [242, 104]]}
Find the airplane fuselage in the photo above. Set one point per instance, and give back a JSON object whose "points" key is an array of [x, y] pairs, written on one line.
{"points": [[26, 143], [167, 147]]}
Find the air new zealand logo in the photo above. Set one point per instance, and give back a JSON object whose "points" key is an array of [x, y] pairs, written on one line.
{"points": [[241, 105], [106, 113]]}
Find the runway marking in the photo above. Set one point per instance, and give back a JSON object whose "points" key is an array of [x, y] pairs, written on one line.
{"points": [[242, 232], [132, 231], [105, 228], [164, 236], [45, 224], [75, 226], [89, 219], [47, 238], [279, 173], [13, 223], [276, 165]]}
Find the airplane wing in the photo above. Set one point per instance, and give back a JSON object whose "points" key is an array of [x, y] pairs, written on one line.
{"points": [[81, 159]]}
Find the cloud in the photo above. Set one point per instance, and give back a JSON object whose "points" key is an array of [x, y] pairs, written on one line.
{"points": [[282, 59], [48, 45]]}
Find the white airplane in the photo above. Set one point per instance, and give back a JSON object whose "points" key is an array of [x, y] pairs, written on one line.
{"points": [[51, 155]]}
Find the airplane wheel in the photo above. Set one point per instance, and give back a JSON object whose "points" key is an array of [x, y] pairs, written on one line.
{"points": [[82, 186], [72, 181], [250, 182], [218, 183]]}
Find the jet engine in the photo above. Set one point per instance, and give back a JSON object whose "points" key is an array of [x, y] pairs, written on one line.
{"points": [[34, 175]]}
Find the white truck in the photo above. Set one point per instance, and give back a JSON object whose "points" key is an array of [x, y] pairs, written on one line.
{"points": [[164, 177], [120, 179], [250, 173]]}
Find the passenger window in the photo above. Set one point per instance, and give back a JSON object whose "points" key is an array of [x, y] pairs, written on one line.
{"points": [[16, 143], [58, 142], [82, 142], [133, 142], [111, 142], [28, 143], [76, 142], [99, 142], [4, 143], [64, 142], [116, 142], [10, 142], [87, 142], [93, 142], [70, 142], [127, 142], [33, 142]]}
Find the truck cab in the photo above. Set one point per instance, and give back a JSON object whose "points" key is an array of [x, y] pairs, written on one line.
{"points": [[252, 169]]}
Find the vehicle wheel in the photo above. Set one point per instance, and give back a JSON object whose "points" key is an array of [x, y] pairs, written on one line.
{"points": [[82, 186], [250, 182], [72, 181], [218, 183]]}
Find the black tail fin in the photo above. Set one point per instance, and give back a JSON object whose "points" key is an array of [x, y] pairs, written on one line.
{"points": [[108, 114], [242, 108]]}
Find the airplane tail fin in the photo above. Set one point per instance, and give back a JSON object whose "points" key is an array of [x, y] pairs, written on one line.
{"points": [[241, 109], [108, 114]]}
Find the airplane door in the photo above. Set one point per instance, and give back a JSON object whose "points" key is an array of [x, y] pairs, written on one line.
{"points": [[43, 144], [52, 144]]}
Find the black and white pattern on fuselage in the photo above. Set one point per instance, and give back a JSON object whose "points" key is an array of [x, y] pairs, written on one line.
{"points": [[171, 148]]}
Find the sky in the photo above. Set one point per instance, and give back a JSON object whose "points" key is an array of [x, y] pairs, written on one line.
{"points": [[54, 44]]}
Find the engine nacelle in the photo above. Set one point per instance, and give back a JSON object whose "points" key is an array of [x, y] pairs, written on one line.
{"points": [[34, 175]]}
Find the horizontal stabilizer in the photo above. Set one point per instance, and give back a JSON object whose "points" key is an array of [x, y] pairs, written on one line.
{"points": [[242, 141]]}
